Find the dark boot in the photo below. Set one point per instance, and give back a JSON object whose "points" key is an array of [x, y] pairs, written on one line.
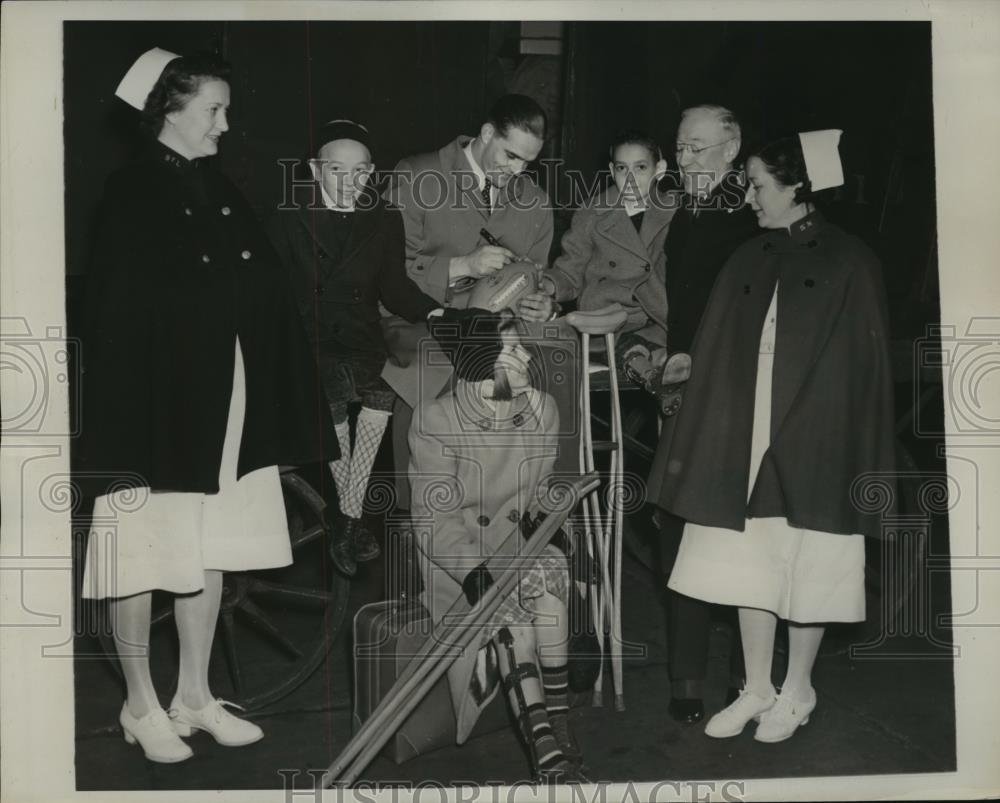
{"points": [[669, 390], [564, 772], [366, 548], [564, 736], [341, 545]]}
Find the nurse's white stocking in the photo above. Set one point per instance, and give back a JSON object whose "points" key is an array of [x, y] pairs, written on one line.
{"points": [[130, 621], [803, 645], [757, 629], [196, 616]]}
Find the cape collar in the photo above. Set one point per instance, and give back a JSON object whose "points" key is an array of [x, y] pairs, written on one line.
{"points": [[167, 156], [805, 231], [806, 228]]}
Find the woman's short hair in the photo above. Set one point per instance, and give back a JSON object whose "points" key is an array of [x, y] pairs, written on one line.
{"points": [[783, 160], [518, 111], [178, 83]]}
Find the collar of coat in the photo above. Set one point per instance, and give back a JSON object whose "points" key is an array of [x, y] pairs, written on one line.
{"points": [[317, 219], [806, 232], [168, 157], [612, 220], [723, 197]]}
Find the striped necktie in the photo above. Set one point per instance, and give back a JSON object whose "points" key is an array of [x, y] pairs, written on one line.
{"points": [[487, 187]]}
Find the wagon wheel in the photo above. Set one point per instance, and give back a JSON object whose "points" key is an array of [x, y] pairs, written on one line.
{"points": [[275, 626]]}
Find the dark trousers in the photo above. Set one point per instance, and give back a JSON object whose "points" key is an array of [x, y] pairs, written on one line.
{"points": [[689, 624]]}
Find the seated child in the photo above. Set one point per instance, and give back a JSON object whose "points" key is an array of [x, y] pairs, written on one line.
{"points": [[344, 257], [613, 252]]}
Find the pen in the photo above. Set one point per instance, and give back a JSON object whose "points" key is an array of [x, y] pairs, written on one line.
{"points": [[491, 240]]}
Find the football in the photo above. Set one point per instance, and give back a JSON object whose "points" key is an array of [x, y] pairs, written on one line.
{"points": [[504, 288]]}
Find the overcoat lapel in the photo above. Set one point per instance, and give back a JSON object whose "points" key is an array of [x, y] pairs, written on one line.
{"points": [[364, 228], [318, 223]]}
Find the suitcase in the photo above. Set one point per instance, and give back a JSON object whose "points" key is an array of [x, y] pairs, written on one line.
{"points": [[386, 635]]}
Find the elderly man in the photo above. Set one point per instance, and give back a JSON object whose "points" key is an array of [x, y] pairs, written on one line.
{"points": [[713, 222], [448, 199]]}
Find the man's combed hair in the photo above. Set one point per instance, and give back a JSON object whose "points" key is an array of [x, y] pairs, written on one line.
{"points": [[518, 111], [178, 83], [726, 117]]}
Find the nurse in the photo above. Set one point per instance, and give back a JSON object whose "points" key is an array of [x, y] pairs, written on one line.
{"points": [[789, 403]]}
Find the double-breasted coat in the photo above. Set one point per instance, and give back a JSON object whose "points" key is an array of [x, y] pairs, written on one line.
{"points": [[338, 290], [181, 267], [472, 482], [604, 260], [831, 409]]}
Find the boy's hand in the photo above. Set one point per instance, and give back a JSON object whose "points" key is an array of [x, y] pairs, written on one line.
{"points": [[535, 307], [547, 284], [484, 260]]}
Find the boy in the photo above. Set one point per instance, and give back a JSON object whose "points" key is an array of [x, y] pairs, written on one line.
{"points": [[613, 252], [343, 258]]}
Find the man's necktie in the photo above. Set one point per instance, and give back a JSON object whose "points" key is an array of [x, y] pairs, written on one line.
{"points": [[487, 187]]}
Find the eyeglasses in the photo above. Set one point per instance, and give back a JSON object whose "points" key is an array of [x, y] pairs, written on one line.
{"points": [[685, 146]]}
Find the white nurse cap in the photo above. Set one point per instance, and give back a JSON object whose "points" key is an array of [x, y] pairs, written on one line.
{"points": [[142, 76], [822, 158]]}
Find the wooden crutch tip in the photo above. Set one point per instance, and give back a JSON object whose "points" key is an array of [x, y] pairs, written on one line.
{"points": [[619, 702]]}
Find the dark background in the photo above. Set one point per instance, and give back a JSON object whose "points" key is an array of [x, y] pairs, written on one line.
{"points": [[419, 84]]}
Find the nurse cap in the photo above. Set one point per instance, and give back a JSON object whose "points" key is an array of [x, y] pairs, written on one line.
{"points": [[143, 75], [822, 158]]}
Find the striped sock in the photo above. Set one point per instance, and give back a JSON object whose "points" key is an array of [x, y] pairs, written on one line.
{"points": [[555, 682], [546, 747]]}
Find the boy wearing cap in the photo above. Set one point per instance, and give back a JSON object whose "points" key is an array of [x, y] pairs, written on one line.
{"points": [[344, 255]]}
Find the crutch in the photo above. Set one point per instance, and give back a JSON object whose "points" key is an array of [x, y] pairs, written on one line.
{"points": [[600, 527], [615, 522], [606, 523], [593, 527], [441, 648]]}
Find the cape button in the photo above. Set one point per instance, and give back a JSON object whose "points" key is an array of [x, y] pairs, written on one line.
{"points": [[518, 420], [246, 255], [483, 521], [513, 516], [188, 212], [205, 259], [226, 210]]}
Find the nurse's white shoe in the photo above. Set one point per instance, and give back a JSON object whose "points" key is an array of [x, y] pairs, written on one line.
{"points": [[157, 739], [732, 719], [225, 728], [786, 717]]}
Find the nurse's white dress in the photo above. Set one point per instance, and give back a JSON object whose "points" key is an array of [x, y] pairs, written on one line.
{"points": [[799, 575], [140, 541]]}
